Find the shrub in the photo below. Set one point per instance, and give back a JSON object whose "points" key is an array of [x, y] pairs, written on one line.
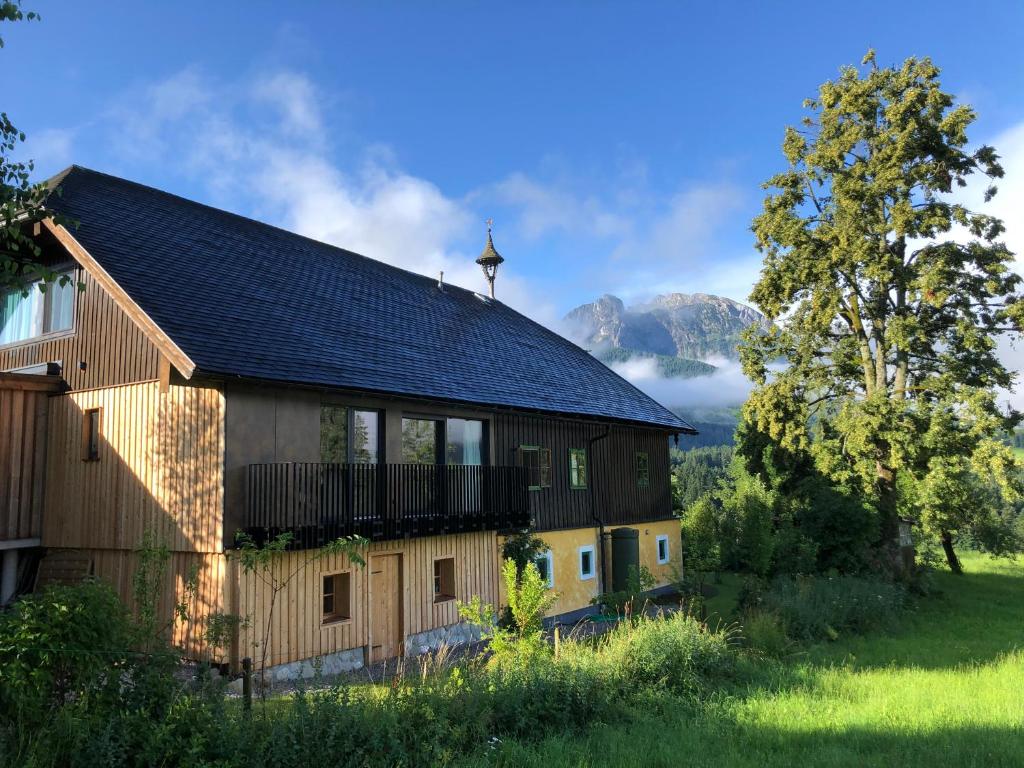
{"points": [[677, 653], [67, 642], [820, 607], [764, 634], [639, 581]]}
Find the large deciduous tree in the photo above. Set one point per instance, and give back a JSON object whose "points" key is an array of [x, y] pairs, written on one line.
{"points": [[888, 296], [21, 200]]}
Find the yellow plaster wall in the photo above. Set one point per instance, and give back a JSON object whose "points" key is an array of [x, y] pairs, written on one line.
{"points": [[575, 593], [664, 574]]}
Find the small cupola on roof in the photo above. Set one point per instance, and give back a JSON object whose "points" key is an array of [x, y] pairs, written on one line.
{"points": [[490, 259]]}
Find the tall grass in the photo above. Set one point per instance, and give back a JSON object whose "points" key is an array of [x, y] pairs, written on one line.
{"points": [[942, 689]]}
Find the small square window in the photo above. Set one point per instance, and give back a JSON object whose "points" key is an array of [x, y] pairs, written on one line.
{"points": [[643, 470], [91, 435], [577, 468], [444, 579], [663, 553], [546, 567], [586, 562], [337, 597]]}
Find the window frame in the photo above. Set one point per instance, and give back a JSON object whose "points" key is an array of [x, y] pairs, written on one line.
{"points": [[71, 270], [543, 470], [88, 454], [548, 555], [643, 469], [336, 617], [662, 537], [587, 548], [441, 596], [579, 453], [350, 428]]}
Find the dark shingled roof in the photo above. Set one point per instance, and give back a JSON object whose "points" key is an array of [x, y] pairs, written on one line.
{"points": [[242, 298]]}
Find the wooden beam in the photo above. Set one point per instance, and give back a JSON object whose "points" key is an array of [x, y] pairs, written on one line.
{"points": [[31, 382], [167, 347]]}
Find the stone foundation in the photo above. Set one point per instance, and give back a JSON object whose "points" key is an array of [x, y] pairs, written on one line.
{"points": [[330, 664], [432, 639]]}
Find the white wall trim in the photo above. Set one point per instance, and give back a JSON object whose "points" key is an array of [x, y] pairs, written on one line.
{"points": [[593, 563], [657, 551]]}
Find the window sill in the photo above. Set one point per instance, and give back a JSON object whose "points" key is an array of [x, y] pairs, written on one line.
{"points": [[439, 599], [42, 339], [335, 622]]}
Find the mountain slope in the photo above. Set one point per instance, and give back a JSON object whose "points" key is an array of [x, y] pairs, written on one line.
{"points": [[697, 326]]}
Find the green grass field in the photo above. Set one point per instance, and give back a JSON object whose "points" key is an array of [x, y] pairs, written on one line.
{"points": [[945, 690]]}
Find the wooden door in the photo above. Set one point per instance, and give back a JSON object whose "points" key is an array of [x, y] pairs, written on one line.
{"points": [[385, 607]]}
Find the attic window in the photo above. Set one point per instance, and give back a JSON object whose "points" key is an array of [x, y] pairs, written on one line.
{"points": [[43, 309]]}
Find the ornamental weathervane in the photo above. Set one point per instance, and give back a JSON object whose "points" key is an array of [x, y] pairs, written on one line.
{"points": [[490, 259]]}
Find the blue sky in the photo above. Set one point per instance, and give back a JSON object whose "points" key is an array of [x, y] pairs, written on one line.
{"points": [[619, 147]]}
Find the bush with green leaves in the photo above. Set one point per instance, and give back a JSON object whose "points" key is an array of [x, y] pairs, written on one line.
{"points": [[821, 607], [65, 642], [623, 602]]}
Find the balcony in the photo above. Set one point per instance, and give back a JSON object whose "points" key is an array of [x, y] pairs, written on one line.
{"points": [[318, 503]]}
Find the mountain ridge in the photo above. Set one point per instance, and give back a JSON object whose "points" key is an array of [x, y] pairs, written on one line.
{"points": [[694, 326]]}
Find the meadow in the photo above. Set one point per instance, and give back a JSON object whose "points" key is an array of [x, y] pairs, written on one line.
{"points": [[945, 689]]}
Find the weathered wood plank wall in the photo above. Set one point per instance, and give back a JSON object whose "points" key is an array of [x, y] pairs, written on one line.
{"points": [[160, 469], [23, 415], [297, 631], [611, 467], [104, 338]]}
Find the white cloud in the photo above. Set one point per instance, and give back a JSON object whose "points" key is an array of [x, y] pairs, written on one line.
{"points": [[727, 386], [51, 149], [1008, 205]]}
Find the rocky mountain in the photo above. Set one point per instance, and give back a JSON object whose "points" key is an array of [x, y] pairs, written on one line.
{"points": [[697, 326]]}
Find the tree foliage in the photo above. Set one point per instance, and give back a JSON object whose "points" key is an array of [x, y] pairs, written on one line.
{"points": [[21, 200], [887, 294]]}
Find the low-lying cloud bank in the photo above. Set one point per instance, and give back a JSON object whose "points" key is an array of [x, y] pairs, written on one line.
{"points": [[726, 387]]}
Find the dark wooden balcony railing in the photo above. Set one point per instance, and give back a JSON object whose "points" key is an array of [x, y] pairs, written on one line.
{"points": [[318, 503]]}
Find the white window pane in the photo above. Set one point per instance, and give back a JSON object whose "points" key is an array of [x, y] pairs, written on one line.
{"points": [[22, 316]]}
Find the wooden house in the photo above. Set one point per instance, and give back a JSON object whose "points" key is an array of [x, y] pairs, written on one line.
{"points": [[218, 375]]}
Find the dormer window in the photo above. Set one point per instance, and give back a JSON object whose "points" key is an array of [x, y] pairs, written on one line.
{"points": [[34, 313]]}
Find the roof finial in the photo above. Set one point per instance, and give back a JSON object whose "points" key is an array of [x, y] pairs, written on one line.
{"points": [[490, 259]]}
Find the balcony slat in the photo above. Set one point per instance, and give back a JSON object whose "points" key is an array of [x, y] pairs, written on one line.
{"points": [[318, 503]]}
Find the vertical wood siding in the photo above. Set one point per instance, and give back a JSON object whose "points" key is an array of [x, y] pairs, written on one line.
{"points": [[22, 461], [296, 628], [112, 347], [612, 468], [160, 469]]}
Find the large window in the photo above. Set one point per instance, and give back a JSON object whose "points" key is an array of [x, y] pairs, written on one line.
{"points": [[465, 442], [24, 317], [420, 441], [537, 461], [349, 435], [577, 468]]}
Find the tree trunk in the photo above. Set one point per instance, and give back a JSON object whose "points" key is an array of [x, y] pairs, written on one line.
{"points": [[951, 558]]}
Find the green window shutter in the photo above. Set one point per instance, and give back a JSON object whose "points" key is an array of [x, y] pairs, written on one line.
{"points": [[545, 467]]}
